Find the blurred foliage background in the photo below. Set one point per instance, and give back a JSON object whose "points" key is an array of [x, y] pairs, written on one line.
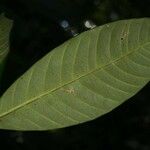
{"points": [[41, 25]]}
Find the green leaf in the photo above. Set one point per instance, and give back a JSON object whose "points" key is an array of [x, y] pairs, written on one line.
{"points": [[5, 26], [82, 79]]}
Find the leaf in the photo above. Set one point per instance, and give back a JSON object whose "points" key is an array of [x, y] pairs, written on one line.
{"points": [[82, 79], [5, 26]]}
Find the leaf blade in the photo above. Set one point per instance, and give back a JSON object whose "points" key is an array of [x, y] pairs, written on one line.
{"points": [[64, 89], [5, 27]]}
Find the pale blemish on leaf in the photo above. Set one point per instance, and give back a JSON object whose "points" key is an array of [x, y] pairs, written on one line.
{"points": [[70, 90], [125, 33]]}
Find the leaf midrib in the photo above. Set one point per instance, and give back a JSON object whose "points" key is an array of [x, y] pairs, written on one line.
{"points": [[55, 89]]}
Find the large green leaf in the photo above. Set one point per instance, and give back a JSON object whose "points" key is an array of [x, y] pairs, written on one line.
{"points": [[82, 79], [5, 26]]}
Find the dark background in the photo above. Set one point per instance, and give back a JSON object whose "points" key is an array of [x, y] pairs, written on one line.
{"points": [[36, 31]]}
